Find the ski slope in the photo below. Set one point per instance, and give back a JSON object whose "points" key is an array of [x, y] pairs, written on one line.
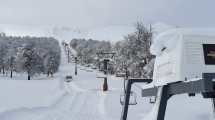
{"points": [[78, 100], [82, 99]]}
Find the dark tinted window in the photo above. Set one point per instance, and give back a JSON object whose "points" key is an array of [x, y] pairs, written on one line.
{"points": [[209, 54]]}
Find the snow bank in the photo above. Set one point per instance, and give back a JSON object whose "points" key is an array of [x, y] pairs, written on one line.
{"points": [[28, 93]]}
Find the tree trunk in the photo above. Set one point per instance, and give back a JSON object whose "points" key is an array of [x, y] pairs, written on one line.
{"points": [[29, 77], [11, 73]]}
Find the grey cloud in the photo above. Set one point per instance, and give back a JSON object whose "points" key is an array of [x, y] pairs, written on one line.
{"points": [[97, 13]]}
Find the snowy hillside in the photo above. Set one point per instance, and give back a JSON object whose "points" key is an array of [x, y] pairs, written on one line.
{"points": [[109, 33], [66, 33], [23, 30]]}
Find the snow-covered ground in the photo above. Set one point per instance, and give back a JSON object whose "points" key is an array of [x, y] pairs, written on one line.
{"points": [[82, 99]]}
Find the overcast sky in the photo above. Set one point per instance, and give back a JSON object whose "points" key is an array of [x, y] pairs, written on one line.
{"points": [[98, 13]]}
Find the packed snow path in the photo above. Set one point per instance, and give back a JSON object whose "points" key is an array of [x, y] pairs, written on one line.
{"points": [[76, 106], [79, 105]]}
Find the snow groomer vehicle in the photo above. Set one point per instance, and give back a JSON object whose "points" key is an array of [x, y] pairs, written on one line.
{"points": [[184, 64]]}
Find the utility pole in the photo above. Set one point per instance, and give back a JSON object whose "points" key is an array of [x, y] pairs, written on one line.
{"points": [[105, 84], [76, 70]]}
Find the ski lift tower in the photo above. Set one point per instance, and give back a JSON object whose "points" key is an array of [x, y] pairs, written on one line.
{"points": [[105, 57]]}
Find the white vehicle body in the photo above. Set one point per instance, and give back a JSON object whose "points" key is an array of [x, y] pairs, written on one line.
{"points": [[180, 55]]}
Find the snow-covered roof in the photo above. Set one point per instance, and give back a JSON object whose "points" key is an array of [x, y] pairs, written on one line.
{"points": [[168, 39]]}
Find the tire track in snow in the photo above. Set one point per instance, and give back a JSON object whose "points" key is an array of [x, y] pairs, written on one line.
{"points": [[101, 105], [89, 110], [55, 111], [79, 106]]}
